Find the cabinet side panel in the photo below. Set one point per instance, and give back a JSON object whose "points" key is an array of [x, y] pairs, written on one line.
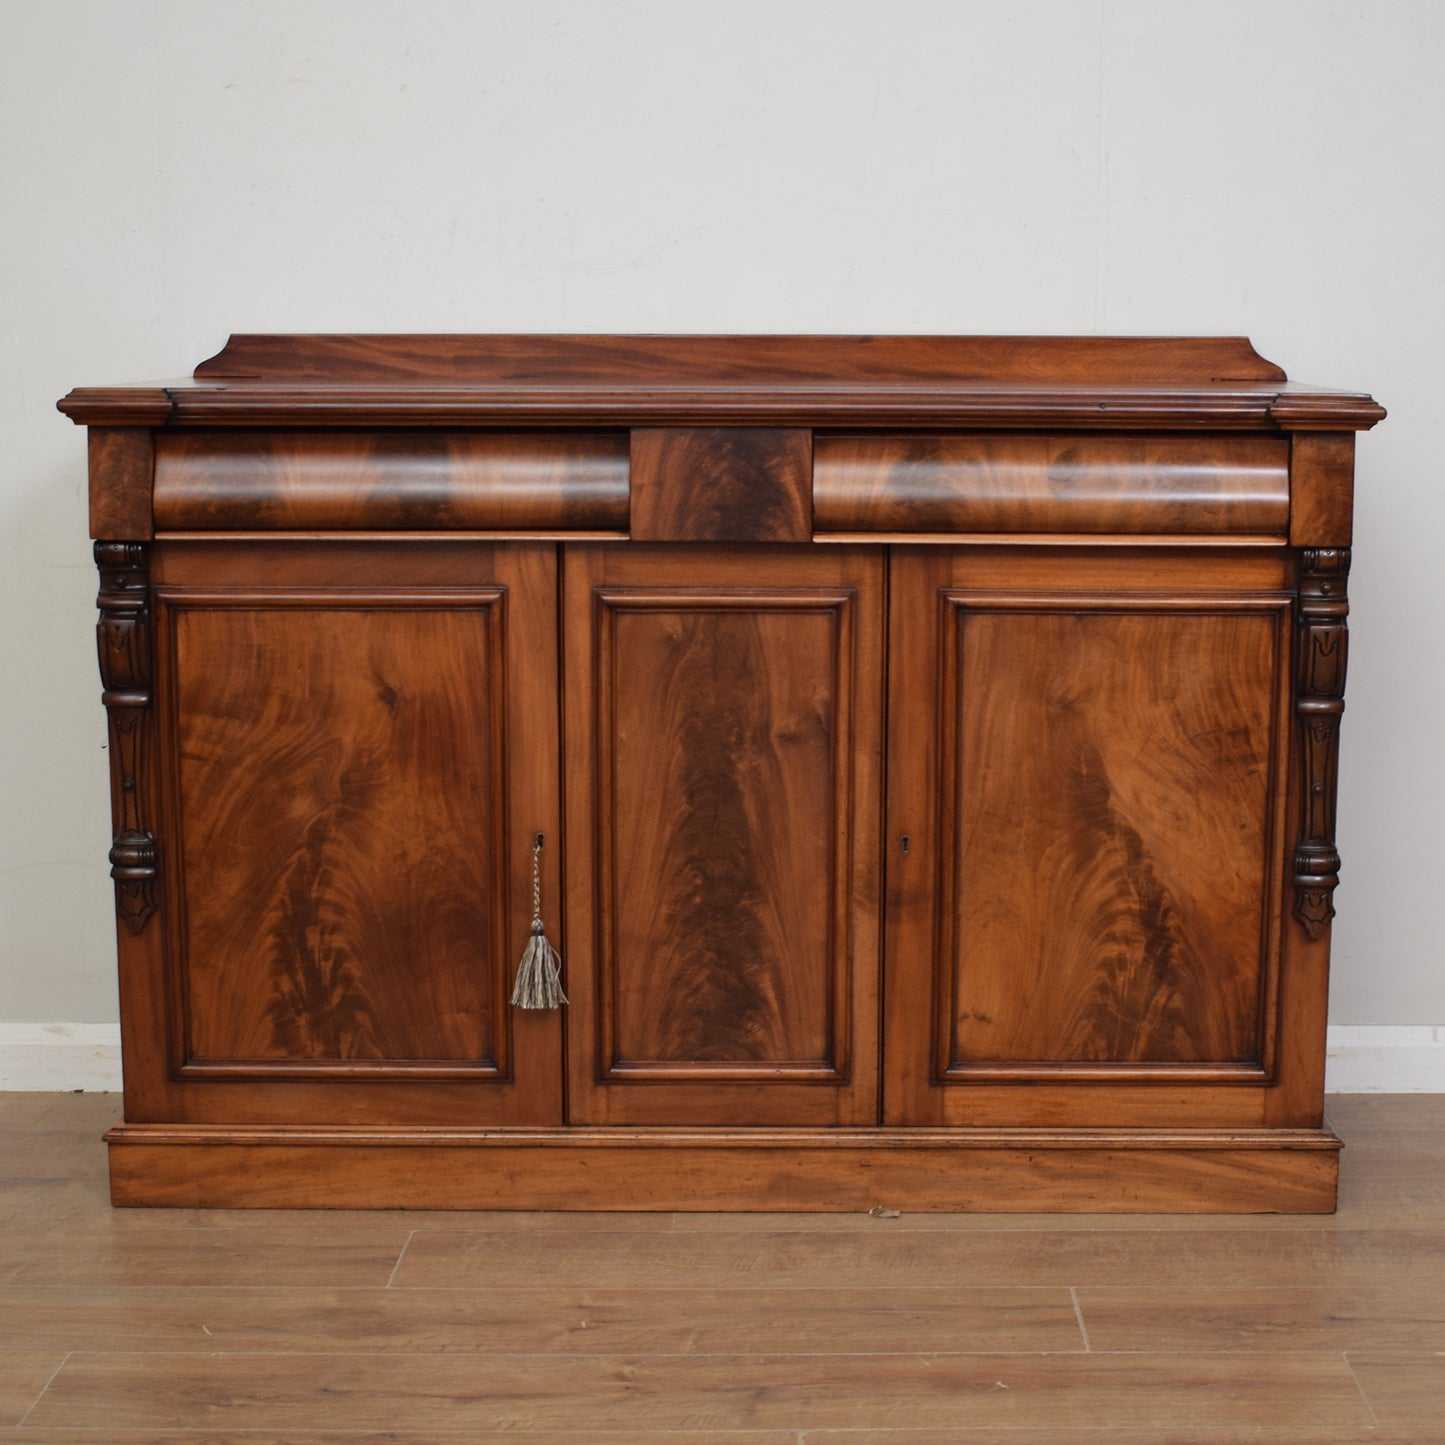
{"points": [[342, 832], [1110, 779]]}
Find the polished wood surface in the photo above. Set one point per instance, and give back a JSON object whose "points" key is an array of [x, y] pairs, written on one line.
{"points": [[948, 735], [584, 360], [217, 1328], [399, 481], [1322, 489], [120, 464], [995, 381], [353, 914], [1089, 901], [721, 484], [723, 724], [1094, 756], [352, 860], [1078, 1170], [1176, 485]]}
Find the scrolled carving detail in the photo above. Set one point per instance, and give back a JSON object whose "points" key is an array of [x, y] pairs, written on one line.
{"points": [[1322, 652], [123, 639]]}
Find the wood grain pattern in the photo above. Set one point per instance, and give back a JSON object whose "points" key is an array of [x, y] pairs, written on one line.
{"points": [[369, 843], [721, 484], [1134, 1171], [1402, 1315], [1322, 489], [901, 382], [539, 1320], [395, 481], [1404, 1391], [354, 912], [1101, 755], [24, 1374], [1080, 1070], [948, 483], [724, 827], [120, 466], [724, 966], [594, 359], [755, 1391], [1178, 1304]]}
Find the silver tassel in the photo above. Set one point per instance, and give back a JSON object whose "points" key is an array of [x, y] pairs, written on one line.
{"points": [[539, 980]]}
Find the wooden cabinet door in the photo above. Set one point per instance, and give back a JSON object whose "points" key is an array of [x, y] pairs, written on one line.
{"points": [[722, 735], [360, 746], [1088, 758]]}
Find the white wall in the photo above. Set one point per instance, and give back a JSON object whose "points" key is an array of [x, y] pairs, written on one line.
{"points": [[177, 169]]}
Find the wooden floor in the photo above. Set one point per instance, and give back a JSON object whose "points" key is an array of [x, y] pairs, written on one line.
{"points": [[241, 1328]]}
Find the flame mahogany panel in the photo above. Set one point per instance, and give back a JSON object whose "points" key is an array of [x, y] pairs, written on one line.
{"points": [[1164, 484], [1109, 777], [365, 852], [399, 481], [728, 716], [352, 773], [722, 484]]}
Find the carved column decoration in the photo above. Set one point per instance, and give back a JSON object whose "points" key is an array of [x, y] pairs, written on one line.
{"points": [[123, 635], [1319, 701]]}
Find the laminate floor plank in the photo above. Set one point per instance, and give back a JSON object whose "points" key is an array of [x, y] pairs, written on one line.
{"points": [[710, 1392], [1406, 1391], [1399, 1315], [69, 1435], [23, 1375], [1082, 1434], [86, 1201], [50, 1154], [466, 1435], [243, 1327], [530, 1320], [256, 1255], [800, 1259]]}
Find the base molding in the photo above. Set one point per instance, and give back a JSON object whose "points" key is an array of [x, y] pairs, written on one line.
{"points": [[1031, 1170]]}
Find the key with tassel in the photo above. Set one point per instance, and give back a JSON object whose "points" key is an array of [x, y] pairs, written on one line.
{"points": [[539, 978]]}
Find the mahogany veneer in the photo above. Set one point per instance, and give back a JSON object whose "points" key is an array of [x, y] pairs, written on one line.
{"points": [[927, 746]]}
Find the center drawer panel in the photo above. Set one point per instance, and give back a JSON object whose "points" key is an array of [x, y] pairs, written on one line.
{"points": [[1157, 485]]}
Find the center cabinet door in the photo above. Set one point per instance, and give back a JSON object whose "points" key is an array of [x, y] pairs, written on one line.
{"points": [[723, 784]]}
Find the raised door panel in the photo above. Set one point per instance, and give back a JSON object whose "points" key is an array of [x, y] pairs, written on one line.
{"points": [[723, 799], [356, 776], [1103, 851]]}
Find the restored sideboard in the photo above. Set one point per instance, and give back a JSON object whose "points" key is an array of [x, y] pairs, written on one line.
{"points": [[921, 753]]}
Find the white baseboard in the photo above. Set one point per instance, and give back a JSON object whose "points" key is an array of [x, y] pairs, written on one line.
{"points": [[60, 1057], [1385, 1059], [1375, 1059]]}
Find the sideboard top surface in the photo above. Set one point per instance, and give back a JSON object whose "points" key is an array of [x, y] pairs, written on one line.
{"points": [[1009, 382]]}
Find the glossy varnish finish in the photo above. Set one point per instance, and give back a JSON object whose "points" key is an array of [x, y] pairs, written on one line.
{"points": [[947, 730], [722, 735], [1106, 850], [399, 481], [352, 915], [1169, 484], [722, 484]]}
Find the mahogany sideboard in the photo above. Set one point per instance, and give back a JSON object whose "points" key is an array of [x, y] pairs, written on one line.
{"points": [[927, 749]]}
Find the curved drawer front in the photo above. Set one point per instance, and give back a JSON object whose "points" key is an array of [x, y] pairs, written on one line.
{"points": [[408, 481], [1159, 485]]}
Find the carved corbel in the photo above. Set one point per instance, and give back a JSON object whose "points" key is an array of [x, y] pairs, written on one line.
{"points": [[1319, 701], [123, 635]]}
